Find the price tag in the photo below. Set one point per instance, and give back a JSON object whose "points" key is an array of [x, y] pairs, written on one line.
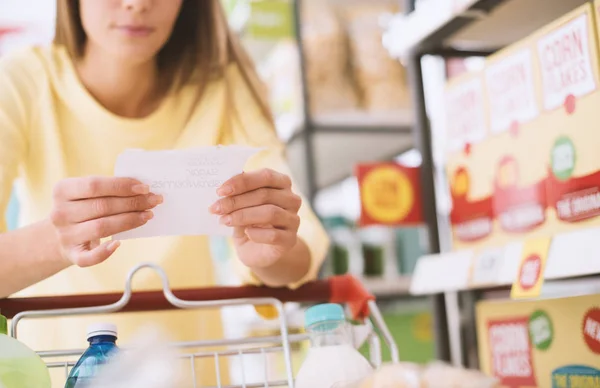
{"points": [[487, 267], [530, 277]]}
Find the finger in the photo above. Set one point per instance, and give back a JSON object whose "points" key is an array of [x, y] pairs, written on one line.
{"points": [[253, 180], [271, 236], [97, 255], [106, 226], [95, 186], [284, 199], [262, 215], [91, 209]]}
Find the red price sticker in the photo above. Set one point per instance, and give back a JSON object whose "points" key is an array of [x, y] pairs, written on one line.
{"points": [[591, 330], [530, 272], [530, 277]]}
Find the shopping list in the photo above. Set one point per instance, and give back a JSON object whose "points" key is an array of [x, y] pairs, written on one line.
{"points": [[188, 181]]}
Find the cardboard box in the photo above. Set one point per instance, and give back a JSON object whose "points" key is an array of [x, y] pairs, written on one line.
{"points": [[569, 73], [467, 128], [519, 174], [542, 343], [537, 171]]}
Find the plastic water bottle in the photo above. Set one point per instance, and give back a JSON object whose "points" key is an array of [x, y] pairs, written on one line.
{"points": [[103, 346], [20, 367], [332, 359]]}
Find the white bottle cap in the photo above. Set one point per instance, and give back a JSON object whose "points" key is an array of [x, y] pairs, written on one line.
{"points": [[97, 329]]}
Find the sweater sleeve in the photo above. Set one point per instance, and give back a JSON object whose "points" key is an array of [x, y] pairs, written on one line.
{"points": [[252, 128], [16, 93]]}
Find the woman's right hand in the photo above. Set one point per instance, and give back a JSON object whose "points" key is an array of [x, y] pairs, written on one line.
{"points": [[88, 209]]}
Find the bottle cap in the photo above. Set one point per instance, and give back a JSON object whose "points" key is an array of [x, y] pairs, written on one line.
{"points": [[97, 329], [3, 325], [322, 313]]}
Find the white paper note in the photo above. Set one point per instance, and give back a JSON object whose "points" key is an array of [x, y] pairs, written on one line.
{"points": [[188, 180]]}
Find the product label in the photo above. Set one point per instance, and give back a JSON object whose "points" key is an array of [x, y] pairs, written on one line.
{"points": [[579, 205], [390, 194], [563, 158], [522, 218], [576, 376], [518, 208], [541, 331], [566, 63], [471, 220], [512, 360], [574, 198], [473, 230], [530, 277], [465, 114], [511, 92], [591, 329]]}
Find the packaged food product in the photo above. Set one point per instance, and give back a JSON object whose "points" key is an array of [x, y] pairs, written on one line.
{"points": [[381, 80], [441, 375], [326, 55], [332, 358], [433, 375], [402, 375]]}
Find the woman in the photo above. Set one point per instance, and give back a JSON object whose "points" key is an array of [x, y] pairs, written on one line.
{"points": [[150, 74]]}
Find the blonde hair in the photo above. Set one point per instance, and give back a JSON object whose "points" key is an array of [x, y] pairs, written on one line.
{"points": [[200, 48]]}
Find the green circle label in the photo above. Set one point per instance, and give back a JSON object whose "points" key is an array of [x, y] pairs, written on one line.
{"points": [[562, 158], [541, 332]]}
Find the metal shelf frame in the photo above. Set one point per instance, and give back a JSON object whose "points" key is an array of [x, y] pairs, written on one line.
{"points": [[312, 127], [455, 311]]}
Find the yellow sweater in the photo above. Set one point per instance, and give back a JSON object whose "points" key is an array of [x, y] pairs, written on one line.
{"points": [[51, 128]]}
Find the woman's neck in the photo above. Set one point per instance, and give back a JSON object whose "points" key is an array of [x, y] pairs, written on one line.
{"points": [[126, 89]]}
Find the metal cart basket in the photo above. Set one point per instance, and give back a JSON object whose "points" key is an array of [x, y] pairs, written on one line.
{"points": [[340, 289]]}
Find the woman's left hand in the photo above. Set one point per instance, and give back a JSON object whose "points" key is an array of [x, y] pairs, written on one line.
{"points": [[263, 210]]}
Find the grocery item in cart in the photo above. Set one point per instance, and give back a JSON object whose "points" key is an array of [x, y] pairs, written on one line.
{"points": [[103, 346], [433, 375], [332, 359], [20, 367]]}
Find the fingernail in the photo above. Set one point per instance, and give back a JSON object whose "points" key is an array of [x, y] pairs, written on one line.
{"points": [[154, 200], [225, 190], [113, 245], [226, 220], [147, 215], [140, 189], [215, 208]]}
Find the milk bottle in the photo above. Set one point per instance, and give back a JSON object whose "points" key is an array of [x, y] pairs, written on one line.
{"points": [[331, 359]]}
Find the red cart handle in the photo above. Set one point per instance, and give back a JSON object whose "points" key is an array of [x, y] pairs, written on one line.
{"points": [[345, 289]]}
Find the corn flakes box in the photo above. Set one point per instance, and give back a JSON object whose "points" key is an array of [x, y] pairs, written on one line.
{"points": [[467, 128], [551, 343], [567, 56]]}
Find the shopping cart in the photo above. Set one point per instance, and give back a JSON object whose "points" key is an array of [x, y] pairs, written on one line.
{"points": [[341, 289]]}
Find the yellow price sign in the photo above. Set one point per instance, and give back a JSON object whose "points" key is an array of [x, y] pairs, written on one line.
{"points": [[530, 277]]}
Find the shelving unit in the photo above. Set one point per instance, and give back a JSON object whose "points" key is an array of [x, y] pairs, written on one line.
{"points": [[464, 28], [389, 287], [348, 137]]}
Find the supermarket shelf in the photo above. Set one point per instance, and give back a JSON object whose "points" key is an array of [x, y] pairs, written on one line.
{"points": [[335, 155], [471, 25], [354, 122], [343, 139], [388, 287], [572, 255]]}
